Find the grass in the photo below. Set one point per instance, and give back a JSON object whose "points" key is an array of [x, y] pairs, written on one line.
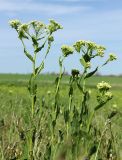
{"points": [[22, 79], [15, 101]]}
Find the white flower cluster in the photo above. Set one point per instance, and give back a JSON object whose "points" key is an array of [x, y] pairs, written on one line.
{"points": [[103, 85], [54, 26], [109, 95], [91, 45], [104, 94], [23, 27], [14, 23], [112, 57], [38, 27], [78, 45], [67, 50], [100, 50]]}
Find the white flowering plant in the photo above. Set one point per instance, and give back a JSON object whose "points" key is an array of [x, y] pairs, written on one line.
{"points": [[71, 131], [79, 121], [41, 37]]}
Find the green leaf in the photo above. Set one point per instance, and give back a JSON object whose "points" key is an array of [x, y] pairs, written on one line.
{"points": [[87, 58], [29, 85], [60, 61], [66, 116], [39, 48], [40, 68], [34, 40], [40, 38], [61, 135], [112, 114], [35, 99], [91, 73], [56, 80], [48, 152], [71, 91], [53, 124], [82, 61], [99, 106], [92, 150], [57, 110], [34, 90], [79, 87], [28, 55]]}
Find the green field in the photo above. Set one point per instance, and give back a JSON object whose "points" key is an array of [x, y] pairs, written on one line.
{"points": [[15, 101]]}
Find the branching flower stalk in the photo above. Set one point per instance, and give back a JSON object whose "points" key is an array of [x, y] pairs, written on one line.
{"points": [[58, 81], [83, 137], [89, 51], [38, 33], [67, 50]]}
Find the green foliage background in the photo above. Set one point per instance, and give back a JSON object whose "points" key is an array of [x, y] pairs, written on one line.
{"points": [[15, 101]]}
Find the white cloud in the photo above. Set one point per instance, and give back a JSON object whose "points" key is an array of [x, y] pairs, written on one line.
{"points": [[48, 8]]}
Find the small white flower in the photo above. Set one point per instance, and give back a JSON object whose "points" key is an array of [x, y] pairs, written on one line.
{"points": [[23, 27], [66, 50], [14, 23], [109, 95], [103, 85], [54, 26], [112, 57]]}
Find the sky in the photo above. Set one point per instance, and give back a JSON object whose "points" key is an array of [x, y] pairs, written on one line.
{"points": [[95, 20]]}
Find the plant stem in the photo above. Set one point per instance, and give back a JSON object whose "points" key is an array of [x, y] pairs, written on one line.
{"points": [[96, 155], [59, 80], [90, 120]]}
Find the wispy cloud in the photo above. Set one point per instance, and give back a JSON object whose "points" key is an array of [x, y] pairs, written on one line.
{"points": [[48, 8]]}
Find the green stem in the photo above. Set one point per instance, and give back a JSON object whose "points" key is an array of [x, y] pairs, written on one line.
{"points": [[90, 120], [59, 80], [96, 155], [67, 130], [32, 106], [69, 109], [33, 84], [84, 81], [70, 102], [2, 155]]}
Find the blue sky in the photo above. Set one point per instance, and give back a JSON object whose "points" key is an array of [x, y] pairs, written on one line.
{"points": [[95, 20]]}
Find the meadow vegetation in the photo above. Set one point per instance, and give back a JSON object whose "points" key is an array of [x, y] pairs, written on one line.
{"points": [[59, 117]]}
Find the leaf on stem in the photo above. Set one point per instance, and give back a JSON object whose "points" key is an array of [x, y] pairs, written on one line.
{"points": [[91, 73], [28, 55], [82, 61], [87, 58], [40, 68]]}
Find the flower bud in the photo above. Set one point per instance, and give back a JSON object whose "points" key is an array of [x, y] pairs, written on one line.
{"points": [[109, 95], [54, 26], [103, 86], [50, 39], [100, 50], [75, 72], [67, 50], [78, 45], [23, 27], [112, 57], [14, 23]]}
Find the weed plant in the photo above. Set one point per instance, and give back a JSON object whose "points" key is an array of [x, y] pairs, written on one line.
{"points": [[56, 131]]}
